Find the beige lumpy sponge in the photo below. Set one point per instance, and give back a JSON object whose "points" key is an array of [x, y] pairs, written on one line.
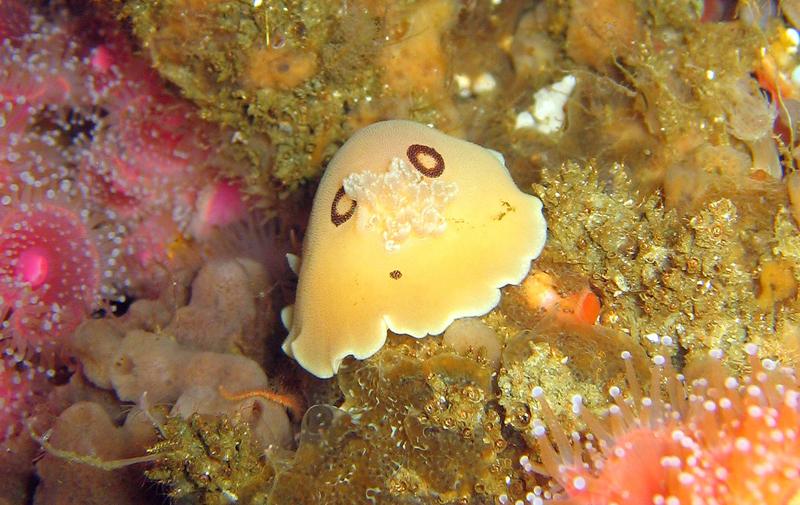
{"points": [[410, 229]]}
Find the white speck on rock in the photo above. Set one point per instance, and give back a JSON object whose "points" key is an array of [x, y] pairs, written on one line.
{"points": [[547, 113]]}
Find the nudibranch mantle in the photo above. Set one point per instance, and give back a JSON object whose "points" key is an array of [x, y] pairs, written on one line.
{"points": [[410, 229]]}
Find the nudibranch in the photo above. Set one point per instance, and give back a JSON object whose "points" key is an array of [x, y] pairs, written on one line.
{"points": [[410, 229]]}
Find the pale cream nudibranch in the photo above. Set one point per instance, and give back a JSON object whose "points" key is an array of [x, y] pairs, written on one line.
{"points": [[410, 230]]}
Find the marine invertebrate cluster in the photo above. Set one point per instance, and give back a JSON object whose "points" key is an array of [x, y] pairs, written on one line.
{"points": [[99, 169], [147, 141], [561, 357], [210, 460], [406, 196], [190, 357], [416, 425], [717, 439], [308, 75], [59, 254], [656, 271], [680, 227], [184, 394], [428, 436], [272, 58]]}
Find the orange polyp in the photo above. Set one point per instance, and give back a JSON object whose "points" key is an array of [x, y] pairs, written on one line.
{"points": [[588, 307], [540, 293], [583, 306], [292, 402]]}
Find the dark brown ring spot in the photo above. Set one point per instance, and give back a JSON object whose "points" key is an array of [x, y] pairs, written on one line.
{"points": [[338, 218], [414, 153], [395, 274]]}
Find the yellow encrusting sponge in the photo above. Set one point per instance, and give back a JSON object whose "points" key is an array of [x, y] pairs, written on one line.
{"points": [[410, 230]]}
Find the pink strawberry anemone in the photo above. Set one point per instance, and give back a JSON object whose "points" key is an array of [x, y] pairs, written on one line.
{"points": [[219, 204], [54, 270], [100, 171], [17, 390], [147, 146], [150, 149], [719, 440]]}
